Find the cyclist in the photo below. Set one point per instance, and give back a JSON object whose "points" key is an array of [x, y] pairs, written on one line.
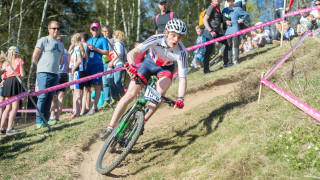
{"points": [[165, 49]]}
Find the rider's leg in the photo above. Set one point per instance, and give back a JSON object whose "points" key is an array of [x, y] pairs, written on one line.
{"points": [[132, 92], [162, 87]]}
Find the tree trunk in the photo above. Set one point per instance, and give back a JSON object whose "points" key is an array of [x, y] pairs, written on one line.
{"points": [[139, 20], [20, 24], [124, 21], [107, 12], [9, 26], [114, 15], [43, 19]]}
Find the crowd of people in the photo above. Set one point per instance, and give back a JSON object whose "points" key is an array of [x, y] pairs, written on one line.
{"points": [[104, 52]]}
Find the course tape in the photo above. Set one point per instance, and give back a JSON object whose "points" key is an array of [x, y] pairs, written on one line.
{"points": [[251, 28], [34, 110], [60, 86], [289, 53], [295, 101]]}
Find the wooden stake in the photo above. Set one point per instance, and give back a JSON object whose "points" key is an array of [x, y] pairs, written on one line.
{"points": [[261, 88], [284, 12]]}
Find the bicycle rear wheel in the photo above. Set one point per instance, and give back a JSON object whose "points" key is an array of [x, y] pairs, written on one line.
{"points": [[120, 142]]}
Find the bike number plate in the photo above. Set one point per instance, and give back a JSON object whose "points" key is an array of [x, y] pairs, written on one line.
{"points": [[152, 95]]}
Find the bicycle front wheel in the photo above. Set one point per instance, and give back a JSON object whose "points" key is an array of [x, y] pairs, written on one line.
{"points": [[120, 142]]}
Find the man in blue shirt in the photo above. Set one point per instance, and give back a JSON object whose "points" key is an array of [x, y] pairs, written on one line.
{"points": [[96, 47]]}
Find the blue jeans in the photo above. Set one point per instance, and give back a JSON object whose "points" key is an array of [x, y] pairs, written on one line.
{"points": [[45, 80], [114, 81]]}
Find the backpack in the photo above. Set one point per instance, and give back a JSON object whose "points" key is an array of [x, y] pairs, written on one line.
{"points": [[201, 16], [171, 16], [126, 50]]}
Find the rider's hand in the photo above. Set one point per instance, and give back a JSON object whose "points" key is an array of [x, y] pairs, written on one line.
{"points": [[178, 103], [132, 70]]}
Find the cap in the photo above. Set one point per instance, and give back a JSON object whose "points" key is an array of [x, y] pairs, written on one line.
{"points": [[94, 25], [258, 23], [13, 49], [162, 1]]}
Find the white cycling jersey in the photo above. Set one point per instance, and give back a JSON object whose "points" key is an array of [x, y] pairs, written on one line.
{"points": [[163, 55]]}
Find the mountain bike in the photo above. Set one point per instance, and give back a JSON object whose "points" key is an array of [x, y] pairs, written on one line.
{"points": [[128, 129]]}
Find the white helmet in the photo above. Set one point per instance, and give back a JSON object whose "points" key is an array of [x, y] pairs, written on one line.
{"points": [[177, 26]]}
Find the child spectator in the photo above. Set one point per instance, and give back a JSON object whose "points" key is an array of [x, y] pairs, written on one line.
{"points": [[232, 17], [261, 38], [11, 87], [288, 34], [2, 60], [77, 71], [63, 78], [198, 53]]}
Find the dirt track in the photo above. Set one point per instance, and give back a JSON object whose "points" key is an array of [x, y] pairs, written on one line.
{"points": [[86, 169]]}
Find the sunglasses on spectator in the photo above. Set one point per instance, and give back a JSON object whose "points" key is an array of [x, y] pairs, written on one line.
{"points": [[162, 4], [94, 29], [55, 28], [317, 4], [105, 31]]}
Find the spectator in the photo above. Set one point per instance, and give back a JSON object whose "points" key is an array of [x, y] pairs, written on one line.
{"points": [[77, 71], [305, 21], [261, 38], [101, 101], [279, 11], [106, 87], [116, 61], [96, 47], [316, 13], [85, 106], [47, 55], [212, 21], [2, 60], [63, 78], [288, 34], [140, 58], [198, 53], [11, 87], [231, 17], [163, 17]]}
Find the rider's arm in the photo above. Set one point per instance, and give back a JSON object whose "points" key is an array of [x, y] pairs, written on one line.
{"points": [[182, 86], [132, 54]]}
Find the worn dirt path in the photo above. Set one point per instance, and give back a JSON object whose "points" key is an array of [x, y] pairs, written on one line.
{"points": [[86, 169]]}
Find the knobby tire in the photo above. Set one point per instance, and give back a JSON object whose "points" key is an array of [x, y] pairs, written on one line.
{"points": [[139, 114]]}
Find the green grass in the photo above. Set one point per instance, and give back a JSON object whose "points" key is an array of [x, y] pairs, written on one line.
{"points": [[229, 137]]}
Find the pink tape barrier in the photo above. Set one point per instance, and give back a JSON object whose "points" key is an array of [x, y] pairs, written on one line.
{"points": [[295, 101], [289, 53], [13, 99], [34, 110], [251, 28]]}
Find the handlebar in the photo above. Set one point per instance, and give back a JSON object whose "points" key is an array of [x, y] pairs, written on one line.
{"points": [[141, 82]]}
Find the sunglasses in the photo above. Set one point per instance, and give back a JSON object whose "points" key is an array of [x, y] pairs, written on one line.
{"points": [[317, 4], [55, 28], [94, 29], [105, 31]]}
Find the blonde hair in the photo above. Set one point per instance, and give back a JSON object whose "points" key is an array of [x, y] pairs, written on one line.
{"points": [[11, 56], [53, 22], [197, 28], [119, 35], [2, 60], [77, 38]]}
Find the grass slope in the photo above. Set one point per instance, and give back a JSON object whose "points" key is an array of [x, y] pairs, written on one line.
{"points": [[230, 137]]}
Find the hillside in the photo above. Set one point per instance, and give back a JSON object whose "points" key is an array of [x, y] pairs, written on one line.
{"points": [[222, 133]]}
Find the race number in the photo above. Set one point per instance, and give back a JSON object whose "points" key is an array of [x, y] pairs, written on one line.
{"points": [[152, 95]]}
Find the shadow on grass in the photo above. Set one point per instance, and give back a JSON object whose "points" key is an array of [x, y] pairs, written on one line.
{"points": [[10, 151], [257, 53], [170, 143]]}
